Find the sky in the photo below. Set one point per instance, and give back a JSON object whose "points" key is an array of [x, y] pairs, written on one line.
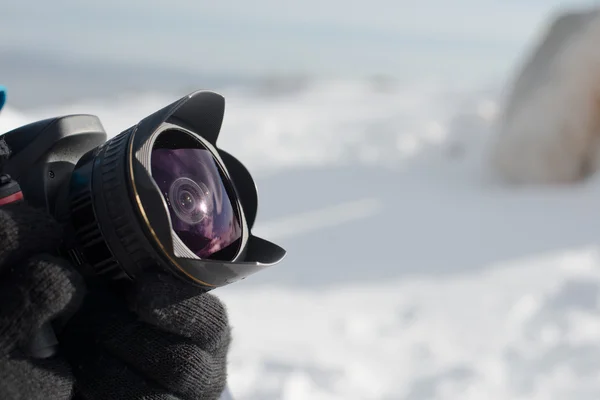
{"points": [[401, 38]]}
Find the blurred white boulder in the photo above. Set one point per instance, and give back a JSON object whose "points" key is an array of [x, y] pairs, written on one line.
{"points": [[549, 130]]}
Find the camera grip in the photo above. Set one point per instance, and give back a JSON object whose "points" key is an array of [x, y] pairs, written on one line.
{"points": [[43, 344]]}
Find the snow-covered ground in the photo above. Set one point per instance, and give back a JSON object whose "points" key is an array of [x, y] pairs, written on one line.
{"points": [[411, 274]]}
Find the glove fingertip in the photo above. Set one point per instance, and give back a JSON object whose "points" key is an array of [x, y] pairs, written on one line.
{"points": [[54, 290], [37, 292], [25, 230], [182, 309]]}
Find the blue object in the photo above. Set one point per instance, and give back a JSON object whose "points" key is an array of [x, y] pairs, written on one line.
{"points": [[2, 96]]}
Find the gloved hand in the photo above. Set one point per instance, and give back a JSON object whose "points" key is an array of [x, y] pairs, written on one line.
{"points": [[163, 340], [35, 287]]}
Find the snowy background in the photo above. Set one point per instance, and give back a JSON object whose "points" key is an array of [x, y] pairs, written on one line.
{"points": [[411, 274]]}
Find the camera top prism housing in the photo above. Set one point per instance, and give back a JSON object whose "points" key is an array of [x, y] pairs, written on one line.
{"points": [[160, 196]]}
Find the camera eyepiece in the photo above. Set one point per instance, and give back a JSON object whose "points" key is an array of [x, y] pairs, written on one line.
{"points": [[160, 196]]}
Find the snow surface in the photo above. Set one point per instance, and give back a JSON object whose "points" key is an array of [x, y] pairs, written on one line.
{"points": [[411, 274]]}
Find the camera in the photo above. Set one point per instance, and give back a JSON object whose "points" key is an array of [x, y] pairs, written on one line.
{"points": [[159, 197]]}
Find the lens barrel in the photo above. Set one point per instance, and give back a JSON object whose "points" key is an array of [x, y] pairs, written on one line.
{"points": [[162, 196]]}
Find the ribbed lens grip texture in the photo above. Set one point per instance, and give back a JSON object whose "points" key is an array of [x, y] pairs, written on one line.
{"points": [[108, 229]]}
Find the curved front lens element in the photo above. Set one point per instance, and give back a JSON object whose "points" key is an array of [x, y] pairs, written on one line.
{"points": [[190, 200], [201, 210]]}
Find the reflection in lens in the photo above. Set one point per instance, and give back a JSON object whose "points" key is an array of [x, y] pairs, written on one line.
{"points": [[201, 211], [190, 200]]}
